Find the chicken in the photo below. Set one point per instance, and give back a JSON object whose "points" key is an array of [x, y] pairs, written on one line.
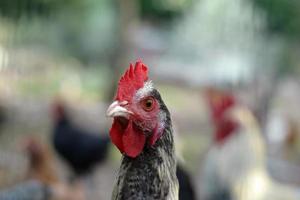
{"points": [[142, 131], [186, 189], [79, 148], [42, 181], [28, 190], [236, 163], [41, 166], [39, 176], [3, 115]]}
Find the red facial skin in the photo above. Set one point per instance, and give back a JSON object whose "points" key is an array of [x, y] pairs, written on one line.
{"points": [[130, 135], [220, 103], [142, 126]]}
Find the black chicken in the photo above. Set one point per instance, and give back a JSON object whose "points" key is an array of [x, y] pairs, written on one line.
{"points": [[80, 149], [3, 116], [186, 189], [142, 131]]}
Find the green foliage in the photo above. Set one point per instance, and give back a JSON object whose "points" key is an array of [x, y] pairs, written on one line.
{"points": [[19, 8], [81, 29], [162, 9], [283, 16]]}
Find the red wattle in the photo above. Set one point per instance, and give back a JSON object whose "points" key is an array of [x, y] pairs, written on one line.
{"points": [[225, 129], [153, 138], [133, 141], [116, 133], [130, 141]]}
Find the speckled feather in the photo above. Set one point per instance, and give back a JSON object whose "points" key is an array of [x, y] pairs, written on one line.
{"points": [[152, 174]]}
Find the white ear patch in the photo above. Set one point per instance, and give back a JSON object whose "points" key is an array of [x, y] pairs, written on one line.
{"points": [[145, 91]]}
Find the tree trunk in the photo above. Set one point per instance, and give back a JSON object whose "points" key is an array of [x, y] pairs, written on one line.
{"points": [[127, 15]]}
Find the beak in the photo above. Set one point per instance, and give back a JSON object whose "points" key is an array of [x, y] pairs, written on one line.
{"points": [[116, 109]]}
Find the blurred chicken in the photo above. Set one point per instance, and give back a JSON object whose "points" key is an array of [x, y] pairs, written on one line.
{"points": [[186, 187], [41, 168], [3, 114], [39, 178], [28, 190], [80, 149], [235, 166], [41, 181]]}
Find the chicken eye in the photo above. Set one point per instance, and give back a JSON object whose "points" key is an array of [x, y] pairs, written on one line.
{"points": [[148, 104]]}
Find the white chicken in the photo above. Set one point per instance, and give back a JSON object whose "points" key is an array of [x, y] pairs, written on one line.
{"points": [[235, 166]]}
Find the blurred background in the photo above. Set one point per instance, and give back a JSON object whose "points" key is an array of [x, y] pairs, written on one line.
{"points": [[76, 51]]}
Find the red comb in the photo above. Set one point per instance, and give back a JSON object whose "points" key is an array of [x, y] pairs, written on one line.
{"points": [[219, 102], [132, 80], [58, 109]]}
